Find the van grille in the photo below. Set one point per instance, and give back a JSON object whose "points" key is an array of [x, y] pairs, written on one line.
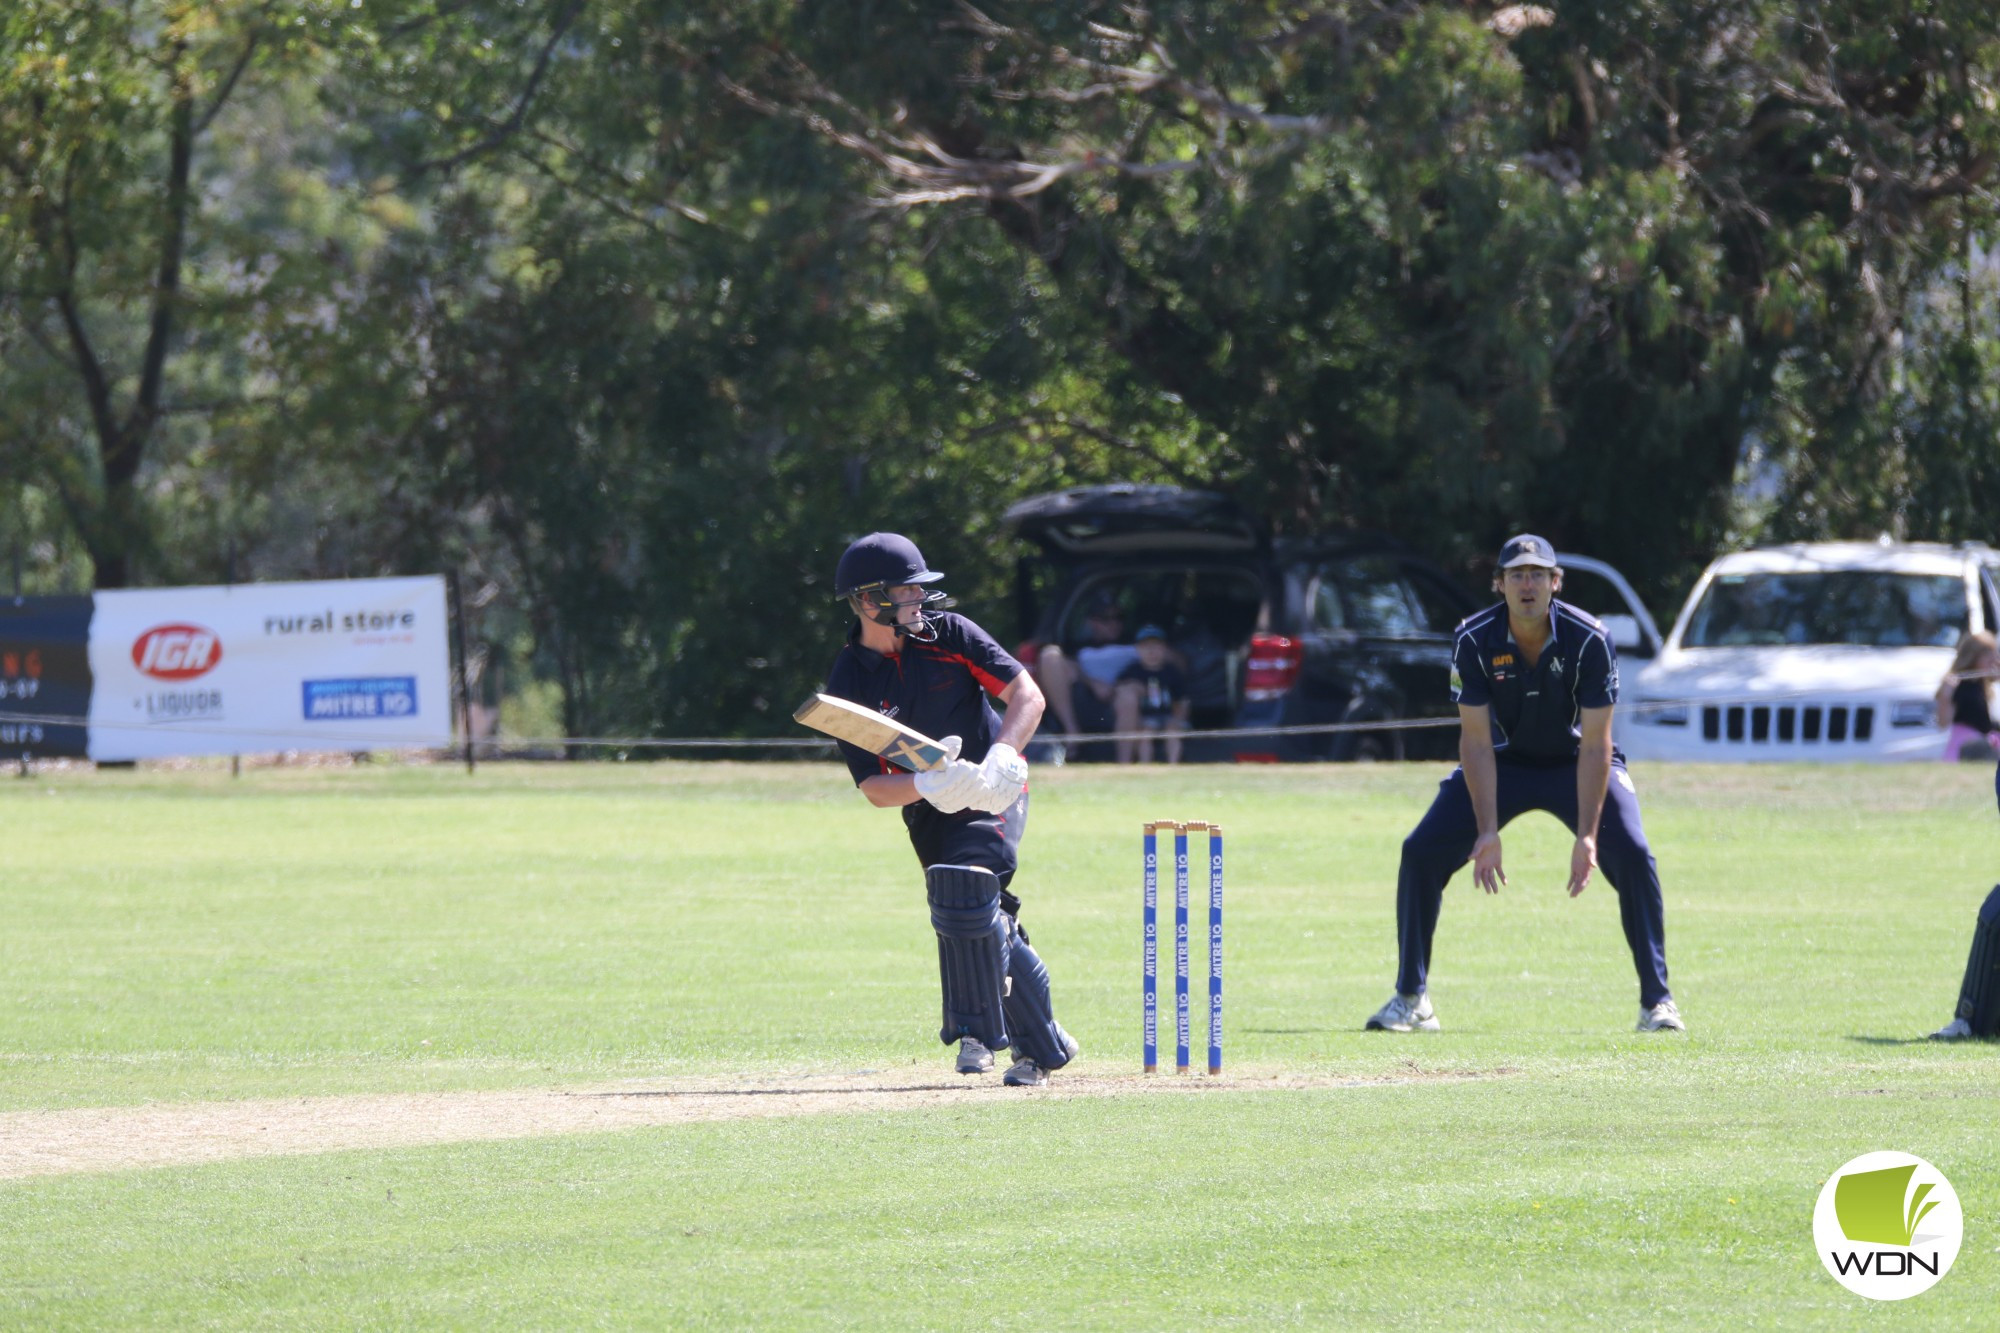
{"points": [[1787, 724]]}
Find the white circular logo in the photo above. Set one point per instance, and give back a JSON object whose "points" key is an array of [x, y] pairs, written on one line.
{"points": [[1888, 1225]]}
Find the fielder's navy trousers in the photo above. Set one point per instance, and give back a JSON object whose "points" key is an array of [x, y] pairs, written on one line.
{"points": [[1442, 842]]}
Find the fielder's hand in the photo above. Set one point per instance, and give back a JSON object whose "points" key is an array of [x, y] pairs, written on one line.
{"points": [[1486, 871], [1582, 860]]}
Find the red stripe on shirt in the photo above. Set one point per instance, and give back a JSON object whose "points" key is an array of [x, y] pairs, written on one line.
{"points": [[989, 682]]}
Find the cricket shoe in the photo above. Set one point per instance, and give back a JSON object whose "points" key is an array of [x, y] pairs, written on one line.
{"points": [[973, 1057], [1404, 1013], [1027, 1072], [1662, 1017], [1956, 1030]]}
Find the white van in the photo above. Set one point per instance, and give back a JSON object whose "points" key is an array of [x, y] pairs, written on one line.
{"points": [[1828, 650]]}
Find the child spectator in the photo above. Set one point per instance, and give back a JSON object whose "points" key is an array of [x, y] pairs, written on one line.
{"points": [[1161, 691]]}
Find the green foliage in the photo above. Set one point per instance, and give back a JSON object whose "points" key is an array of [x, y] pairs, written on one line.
{"points": [[637, 313]]}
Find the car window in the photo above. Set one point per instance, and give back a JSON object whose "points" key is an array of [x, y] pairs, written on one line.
{"points": [[1591, 592], [1873, 608], [1367, 594], [1195, 607], [1439, 611], [1326, 608]]}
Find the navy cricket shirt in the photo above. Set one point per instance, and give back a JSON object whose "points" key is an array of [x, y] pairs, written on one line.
{"points": [[1537, 711], [940, 688]]}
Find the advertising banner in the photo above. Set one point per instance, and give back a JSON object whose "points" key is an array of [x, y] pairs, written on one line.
{"points": [[44, 676], [357, 664]]}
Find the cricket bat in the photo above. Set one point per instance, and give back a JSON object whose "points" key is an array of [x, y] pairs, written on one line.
{"points": [[900, 745]]}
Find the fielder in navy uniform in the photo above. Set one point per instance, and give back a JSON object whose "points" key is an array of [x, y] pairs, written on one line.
{"points": [[1535, 680], [911, 659], [1978, 1010]]}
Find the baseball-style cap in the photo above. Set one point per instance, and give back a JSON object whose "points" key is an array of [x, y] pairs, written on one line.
{"points": [[1150, 632], [1527, 549]]}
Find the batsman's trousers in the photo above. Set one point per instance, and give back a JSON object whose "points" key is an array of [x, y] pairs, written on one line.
{"points": [[969, 837], [1442, 842]]}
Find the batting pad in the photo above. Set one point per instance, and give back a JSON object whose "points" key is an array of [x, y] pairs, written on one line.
{"points": [[1030, 1016], [1979, 993], [972, 952]]}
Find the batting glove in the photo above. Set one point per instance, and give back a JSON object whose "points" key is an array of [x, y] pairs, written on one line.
{"points": [[1002, 775], [951, 785]]}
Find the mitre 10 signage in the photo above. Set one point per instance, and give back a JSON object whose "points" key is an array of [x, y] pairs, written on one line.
{"points": [[356, 664]]}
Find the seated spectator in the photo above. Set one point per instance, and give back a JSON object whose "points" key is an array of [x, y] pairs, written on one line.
{"points": [[1965, 699], [1154, 691], [1081, 687]]}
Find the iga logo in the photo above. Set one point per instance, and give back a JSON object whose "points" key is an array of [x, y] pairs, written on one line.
{"points": [[1888, 1225], [176, 652]]}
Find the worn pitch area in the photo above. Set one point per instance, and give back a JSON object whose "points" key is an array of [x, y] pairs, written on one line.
{"points": [[40, 1143]]}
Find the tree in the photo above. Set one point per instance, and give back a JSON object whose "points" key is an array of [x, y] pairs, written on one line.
{"points": [[112, 261], [1437, 268]]}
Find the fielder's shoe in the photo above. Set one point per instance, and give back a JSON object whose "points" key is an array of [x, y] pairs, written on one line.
{"points": [[1404, 1013], [1662, 1017], [1956, 1030], [973, 1057], [1026, 1072]]}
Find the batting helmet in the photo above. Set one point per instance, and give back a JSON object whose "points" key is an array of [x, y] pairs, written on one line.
{"points": [[882, 560]]}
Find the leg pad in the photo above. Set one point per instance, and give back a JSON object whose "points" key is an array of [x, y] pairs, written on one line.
{"points": [[1030, 1017], [972, 935]]}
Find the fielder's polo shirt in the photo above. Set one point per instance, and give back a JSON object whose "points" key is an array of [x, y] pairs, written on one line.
{"points": [[1537, 711]]}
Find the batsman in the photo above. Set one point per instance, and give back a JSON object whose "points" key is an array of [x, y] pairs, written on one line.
{"points": [[912, 659]]}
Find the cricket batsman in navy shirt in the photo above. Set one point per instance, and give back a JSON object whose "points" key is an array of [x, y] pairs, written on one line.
{"points": [[910, 658], [1535, 680]]}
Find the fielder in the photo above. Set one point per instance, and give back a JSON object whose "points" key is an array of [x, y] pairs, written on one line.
{"points": [[910, 659], [1978, 1011], [1535, 680]]}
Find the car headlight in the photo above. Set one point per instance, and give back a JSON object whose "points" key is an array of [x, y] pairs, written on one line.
{"points": [[1664, 714], [1912, 713]]}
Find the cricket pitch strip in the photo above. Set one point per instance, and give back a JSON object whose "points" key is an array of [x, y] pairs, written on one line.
{"points": [[161, 1134]]}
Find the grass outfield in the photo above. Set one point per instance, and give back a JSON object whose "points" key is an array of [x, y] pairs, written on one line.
{"points": [[185, 937]]}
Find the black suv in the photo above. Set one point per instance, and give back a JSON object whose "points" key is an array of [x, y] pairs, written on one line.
{"points": [[1353, 627], [1348, 628]]}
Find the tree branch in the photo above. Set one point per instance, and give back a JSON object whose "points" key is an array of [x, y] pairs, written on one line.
{"points": [[499, 133], [121, 461], [222, 94]]}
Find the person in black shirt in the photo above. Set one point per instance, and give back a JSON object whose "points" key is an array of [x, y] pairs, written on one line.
{"points": [[910, 658], [1964, 698], [1535, 680], [1162, 700]]}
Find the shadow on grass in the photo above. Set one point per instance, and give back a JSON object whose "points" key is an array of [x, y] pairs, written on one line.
{"points": [[871, 1091], [1893, 1041]]}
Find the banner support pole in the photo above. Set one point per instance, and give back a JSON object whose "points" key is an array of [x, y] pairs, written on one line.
{"points": [[458, 650]]}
